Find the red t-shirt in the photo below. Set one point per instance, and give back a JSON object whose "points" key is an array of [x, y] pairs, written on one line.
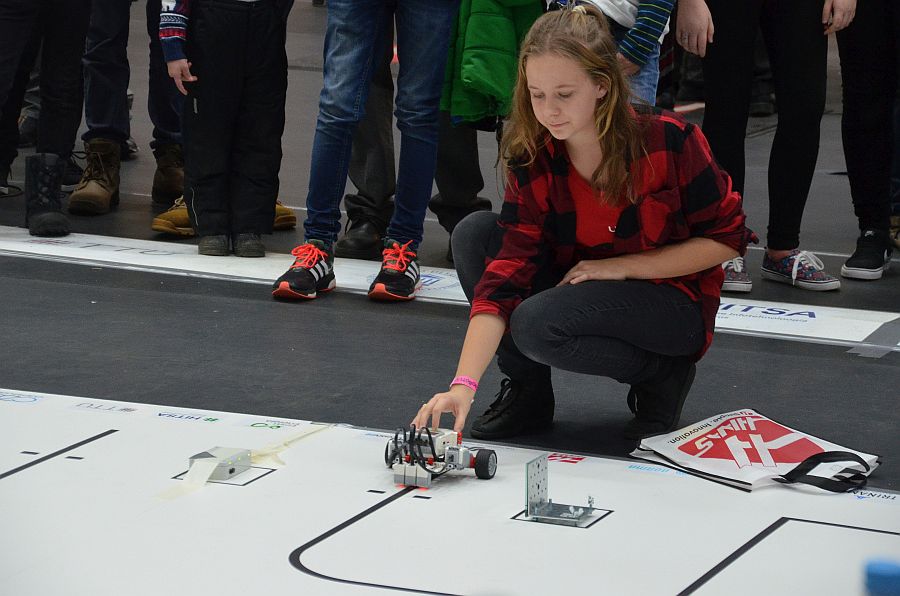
{"points": [[595, 221]]}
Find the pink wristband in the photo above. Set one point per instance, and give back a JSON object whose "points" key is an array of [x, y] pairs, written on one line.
{"points": [[467, 381]]}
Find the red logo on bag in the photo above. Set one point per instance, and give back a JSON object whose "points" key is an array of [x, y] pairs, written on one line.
{"points": [[565, 458], [752, 441]]}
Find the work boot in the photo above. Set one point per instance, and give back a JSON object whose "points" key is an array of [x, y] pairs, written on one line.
{"points": [[98, 190], [248, 245], [519, 408], [176, 220], [168, 181], [43, 208], [657, 402]]}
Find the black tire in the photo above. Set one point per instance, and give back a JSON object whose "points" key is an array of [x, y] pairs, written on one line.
{"points": [[485, 463], [389, 454]]}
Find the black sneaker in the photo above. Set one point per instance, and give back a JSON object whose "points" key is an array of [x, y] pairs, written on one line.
{"points": [[311, 273], [249, 245], [72, 175], [399, 275], [519, 408], [872, 256], [657, 404]]}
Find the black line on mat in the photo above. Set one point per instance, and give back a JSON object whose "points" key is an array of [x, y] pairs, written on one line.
{"points": [[294, 557], [55, 453], [742, 550]]}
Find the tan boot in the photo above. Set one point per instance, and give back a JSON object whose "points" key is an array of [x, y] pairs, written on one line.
{"points": [[168, 181], [285, 219], [98, 190], [175, 221]]}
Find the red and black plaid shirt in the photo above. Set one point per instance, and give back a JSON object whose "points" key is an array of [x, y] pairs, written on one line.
{"points": [[682, 194]]}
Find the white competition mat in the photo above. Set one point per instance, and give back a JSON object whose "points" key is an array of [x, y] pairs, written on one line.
{"points": [[90, 505], [877, 332]]}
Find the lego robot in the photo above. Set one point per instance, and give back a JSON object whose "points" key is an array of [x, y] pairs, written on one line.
{"points": [[418, 456]]}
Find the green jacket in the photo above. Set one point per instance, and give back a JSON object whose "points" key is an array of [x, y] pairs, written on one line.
{"points": [[482, 62]]}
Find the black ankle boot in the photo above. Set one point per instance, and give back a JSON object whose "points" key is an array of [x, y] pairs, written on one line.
{"points": [[657, 402], [362, 240], [43, 207], [519, 408]]}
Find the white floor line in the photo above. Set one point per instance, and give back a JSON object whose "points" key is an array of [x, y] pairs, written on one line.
{"points": [[743, 315]]}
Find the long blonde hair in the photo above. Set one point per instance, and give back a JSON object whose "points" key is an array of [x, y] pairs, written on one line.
{"points": [[582, 35]]}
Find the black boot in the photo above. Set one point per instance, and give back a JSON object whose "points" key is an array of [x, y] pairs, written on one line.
{"points": [[362, 240], [518, 409], [657, 402], [43, 208]]}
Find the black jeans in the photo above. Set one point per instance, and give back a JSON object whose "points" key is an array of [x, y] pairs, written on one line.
{"points": [[233, 115], [797, 49], [106, 75], [57, 29], [625, 330], [870, 67]]}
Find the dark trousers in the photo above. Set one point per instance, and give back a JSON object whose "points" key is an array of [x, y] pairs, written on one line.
{"points": [[59, 26], [233, 116], [797, 51], [457, 172], [870, 67], [625, 330], [107, 72]]}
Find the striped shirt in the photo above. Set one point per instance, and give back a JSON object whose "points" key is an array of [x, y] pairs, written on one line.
{"points": [[646, 20]]}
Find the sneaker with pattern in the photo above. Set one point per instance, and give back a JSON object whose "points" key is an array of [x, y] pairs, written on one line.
{"points": [[736, 277], [311, 273], [399, 276], [802, 269]]}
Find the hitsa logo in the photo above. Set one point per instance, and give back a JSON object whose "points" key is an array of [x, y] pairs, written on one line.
{"points": [[752, 441]]}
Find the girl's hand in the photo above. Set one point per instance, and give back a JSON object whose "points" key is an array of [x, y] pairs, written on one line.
{"points": [[603, 269], [180, 71], [694, 26], [837, 14], [458, 400]]}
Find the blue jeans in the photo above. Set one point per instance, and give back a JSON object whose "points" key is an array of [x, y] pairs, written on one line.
{"points": [[106, 74], [355, 32], [644, 82]]}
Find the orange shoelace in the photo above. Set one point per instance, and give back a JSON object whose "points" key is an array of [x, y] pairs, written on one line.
{"points": [[307, 255], [397, 257]]}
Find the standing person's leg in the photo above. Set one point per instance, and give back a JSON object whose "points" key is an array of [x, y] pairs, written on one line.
{"points": [[797, 52], [727, 78], [164, 103], [210, 109], [259, 124], [372, 165], [867, 50], [107, 72], [65, 28], [17, 22], [457, 175], [106, 76], [353, 30], [423, 40]]}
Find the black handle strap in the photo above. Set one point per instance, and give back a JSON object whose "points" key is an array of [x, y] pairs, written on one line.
{"points": [[843, 481]]}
